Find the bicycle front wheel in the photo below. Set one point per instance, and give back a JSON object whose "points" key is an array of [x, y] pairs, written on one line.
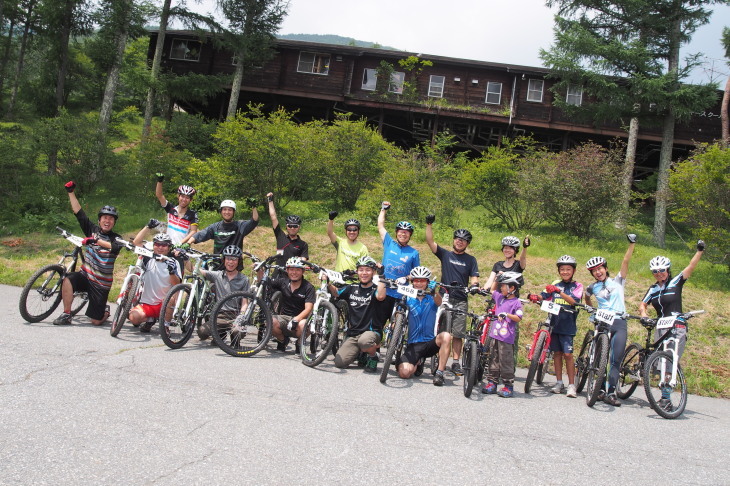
{"points": [[236, 330], [542, 368], [395, 346], [470, 371], [597, 369], [319, 334], [581, 363], [630, 372], [42, 293], [666, 400], [535, 361], [176, 321], [122, 312]]}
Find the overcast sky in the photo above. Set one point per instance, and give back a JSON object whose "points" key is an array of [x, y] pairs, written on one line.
{"points": [[508, 31]]}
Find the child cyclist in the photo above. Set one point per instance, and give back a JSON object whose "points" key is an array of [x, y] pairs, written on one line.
{"points": [[509, 311], [565, 292]]}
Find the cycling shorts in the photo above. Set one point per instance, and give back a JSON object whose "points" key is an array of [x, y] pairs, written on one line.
{"points": [[97, 295], [148, 310], [415, 351]]}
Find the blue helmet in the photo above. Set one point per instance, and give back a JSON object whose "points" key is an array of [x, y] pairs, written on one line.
{"points": [[404, 225]]}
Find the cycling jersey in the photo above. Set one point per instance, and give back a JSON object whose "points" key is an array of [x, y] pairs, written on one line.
{"points": [[156, 280], [421, 319], [292, 303], [456, 267], [504, 329], [225, 234], [361, 309], [179, 226], [98, 262], [398, 261], [609, 293], [287, 248], [666, 299], [565, 322], [348, 254]]}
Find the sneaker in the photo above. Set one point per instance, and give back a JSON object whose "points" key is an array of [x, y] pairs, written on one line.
{"points": [[63, 320], [665, 404], [666, 392], [107, 312], [282, 345], [298, 349], [611, 399], [371, 366], [558, 388], [572, 393], [419, 367], [507, 391], [362, 360], [456, 369], [438, 378], [147, 326], [601, 395], [490, 388]]}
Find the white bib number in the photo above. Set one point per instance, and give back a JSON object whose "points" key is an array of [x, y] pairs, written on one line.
{"points": [[408, 290], [665, 322], [76, 240], [550, 307], [606, 316], [143, 252]]}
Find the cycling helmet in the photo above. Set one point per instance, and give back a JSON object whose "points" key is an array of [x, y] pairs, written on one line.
{"points": [[511, 241], [232, 251], [293, 219], [366, 261], [404, 225], [596, 262], [110, 210], [510, 278], [228, 204], [463, 234], [186, 191], [566, 260], [162, 238], [421, 272], [659, 263], [352, 222], [295, 262]]}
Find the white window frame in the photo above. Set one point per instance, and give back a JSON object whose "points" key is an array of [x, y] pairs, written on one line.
{"points": [[491, 90], [371, 75], [435, 88], [574, 95], [396, 82], [531, 90], [179, 45], [319, 63]]}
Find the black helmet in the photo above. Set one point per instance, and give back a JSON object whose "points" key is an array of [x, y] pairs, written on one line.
{"points": [[232, 251], [110, 210], [294, 219], [463, 234]]}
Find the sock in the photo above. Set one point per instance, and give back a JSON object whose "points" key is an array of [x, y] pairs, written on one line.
{"points": [[559, 382]]}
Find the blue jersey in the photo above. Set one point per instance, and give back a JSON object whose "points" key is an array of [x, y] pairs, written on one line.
{"points": [[398, 261], [609, 293], [421, 319]]}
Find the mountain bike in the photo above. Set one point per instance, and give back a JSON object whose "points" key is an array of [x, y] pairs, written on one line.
{"points": [[321, 329], [42, 292], [657, 367], [188, 304], [444, 317], [241, 321], [478, 353], [395, 335]]}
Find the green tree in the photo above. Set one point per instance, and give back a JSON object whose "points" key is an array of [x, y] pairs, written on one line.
{"points": [[726, 94], [413, 66]]}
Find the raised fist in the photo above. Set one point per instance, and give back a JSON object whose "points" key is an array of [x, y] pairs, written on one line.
{"points": [[385, 206], [153, 223], [430, 218], [160, 176], [269, 197], [631, 237], [701, 245], [70, 186], [252, 202], [526, 241], [333, 215]]}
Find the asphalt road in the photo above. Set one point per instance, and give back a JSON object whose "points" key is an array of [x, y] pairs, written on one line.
{"points": [[80, 407]]}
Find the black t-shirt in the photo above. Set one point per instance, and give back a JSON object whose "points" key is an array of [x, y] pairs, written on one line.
{"points": [[289, 247], [499, 267], [292, 303], [362, 306], [224, 234], [666, 300], [456, 267]]}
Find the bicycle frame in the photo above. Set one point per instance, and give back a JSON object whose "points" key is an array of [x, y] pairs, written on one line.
{"points": [[136, 269], [669, 337]]}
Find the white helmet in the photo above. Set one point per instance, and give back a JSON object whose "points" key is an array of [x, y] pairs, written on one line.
{"points": [[228, 204], [596, 262], [660, 263], [566, 260], [511, 278], [421, 272], [295, 262], [511, 241]]}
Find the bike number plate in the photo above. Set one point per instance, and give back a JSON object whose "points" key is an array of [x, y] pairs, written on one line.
{"points": [[606, 316], [408, 290], [550, 307], [76, 240], [665, 322], [143, 251]]}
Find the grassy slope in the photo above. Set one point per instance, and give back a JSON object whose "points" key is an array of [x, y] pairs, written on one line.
{"points": [[706, 360]]}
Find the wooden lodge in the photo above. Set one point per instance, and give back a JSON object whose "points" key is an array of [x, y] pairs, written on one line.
{"points": [[478, 102]]}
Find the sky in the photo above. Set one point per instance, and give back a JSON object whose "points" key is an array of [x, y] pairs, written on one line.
{"points": [[506, 31]]}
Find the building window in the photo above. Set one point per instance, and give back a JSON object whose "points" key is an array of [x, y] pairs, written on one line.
{"points": [[396, 82], [310, 62], [186, 50], [574, 96], [534, 90], [369, 79], [494, 93], [436, 86]]}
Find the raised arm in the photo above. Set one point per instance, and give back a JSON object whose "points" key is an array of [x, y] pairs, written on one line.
{"points": [[139, 238], [627, 256], [70, 187], [331, 227], [687, 272], [429, 233], [158, 189], [523, 256], [272, 210], [381, 219]]}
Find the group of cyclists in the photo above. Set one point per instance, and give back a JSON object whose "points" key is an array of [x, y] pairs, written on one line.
{"points": [[368, 303]]}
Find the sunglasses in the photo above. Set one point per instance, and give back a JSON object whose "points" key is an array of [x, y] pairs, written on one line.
{"points": [[292, 226], [659, 270], [352, 230]]}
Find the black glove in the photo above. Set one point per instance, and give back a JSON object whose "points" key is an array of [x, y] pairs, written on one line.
{"points": [[430, 218], [171, 266], [646, 322], [380, 270], [269, 198], [526, 242], [252, 202], [180, 253], [70, 186], [631, 237], [154, 223], [160, 176], [474, 289], [701, 245], [333, 215]]}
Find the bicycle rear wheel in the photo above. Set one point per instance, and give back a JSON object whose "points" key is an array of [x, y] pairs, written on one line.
{"points": [[597, 369], [319, 334], [396, 341], [630, 372], [42, 293], [470, 370], [669, 402], [535, 361], [122, 312], [176, 322], [581, 362], [236, 332]]}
